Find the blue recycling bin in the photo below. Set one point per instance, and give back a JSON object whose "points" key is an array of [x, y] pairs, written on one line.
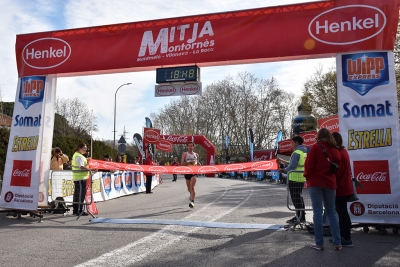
{"points": [[260, 175], [275, 175]]}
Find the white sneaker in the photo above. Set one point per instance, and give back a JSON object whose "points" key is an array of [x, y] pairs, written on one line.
{"points": [[191, 205]]}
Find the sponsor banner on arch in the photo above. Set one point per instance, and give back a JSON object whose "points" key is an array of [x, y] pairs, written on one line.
{"points": [[369, 124], [331, 123], [267, 34], [23, 163], [151, 135], [202, 169], [178, 89]]}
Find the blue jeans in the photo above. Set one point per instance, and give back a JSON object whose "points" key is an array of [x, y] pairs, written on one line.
{"points": [[321, 197]]}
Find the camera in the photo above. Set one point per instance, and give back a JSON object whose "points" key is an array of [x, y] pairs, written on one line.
{"points": [[87, 150], [57, 150]]}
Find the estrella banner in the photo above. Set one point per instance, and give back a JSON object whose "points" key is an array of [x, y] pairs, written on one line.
{"points": [[369, 125]]}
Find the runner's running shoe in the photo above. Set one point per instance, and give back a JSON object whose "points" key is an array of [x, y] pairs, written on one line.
{"points": [[191, 205]]}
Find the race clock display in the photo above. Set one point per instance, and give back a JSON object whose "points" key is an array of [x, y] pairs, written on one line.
{"points": [[178, 74]]}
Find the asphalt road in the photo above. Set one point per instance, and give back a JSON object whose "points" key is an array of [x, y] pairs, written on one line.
{"points": [[64, 241]]}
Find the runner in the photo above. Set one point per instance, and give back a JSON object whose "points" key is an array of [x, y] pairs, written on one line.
{"points": [[190, 158]]}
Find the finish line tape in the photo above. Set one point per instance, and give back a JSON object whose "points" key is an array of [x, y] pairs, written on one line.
{"points": [[190, 223]]}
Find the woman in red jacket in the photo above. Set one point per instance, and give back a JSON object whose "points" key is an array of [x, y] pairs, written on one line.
{"points": [[322, 187], [343, 191]]}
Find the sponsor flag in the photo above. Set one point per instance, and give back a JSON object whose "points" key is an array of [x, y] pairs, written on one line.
{"points": [[23, 162], [151, 135], [278, 139], [137, 138], [369, 125], [251, 142]]}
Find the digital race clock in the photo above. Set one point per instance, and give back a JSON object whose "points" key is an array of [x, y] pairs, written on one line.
{"points": [[178, 74]]}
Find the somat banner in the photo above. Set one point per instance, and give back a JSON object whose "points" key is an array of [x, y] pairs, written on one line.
{"points": [[369, 125], [298, 31], [245, 166]]}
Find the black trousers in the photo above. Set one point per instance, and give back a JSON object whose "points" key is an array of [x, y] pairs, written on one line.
{"points": [[175, 176], [149, 178], [79, 196], [296, 189], [344, 218]]}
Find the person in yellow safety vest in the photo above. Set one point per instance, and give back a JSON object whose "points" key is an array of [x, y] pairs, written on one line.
{"points": [[79, 164], [296, 179]]}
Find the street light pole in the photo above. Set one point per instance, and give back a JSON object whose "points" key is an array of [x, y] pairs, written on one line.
{"points": [[115, 108]]}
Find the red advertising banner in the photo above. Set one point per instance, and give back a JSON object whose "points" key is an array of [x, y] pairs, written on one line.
{"points": [[298, 31], [285, 147], [151, 135], [331, 123], [264, 154], [245, 166], [164, 145], [92, 208], [309, 138]]}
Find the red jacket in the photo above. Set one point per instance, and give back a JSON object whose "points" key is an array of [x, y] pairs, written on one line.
{"points": [[316, 168], [343, 176], [148, 161]]}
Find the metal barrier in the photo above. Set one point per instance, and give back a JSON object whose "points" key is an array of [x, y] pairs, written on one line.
{"points": [[61, 188], [298, 197]]}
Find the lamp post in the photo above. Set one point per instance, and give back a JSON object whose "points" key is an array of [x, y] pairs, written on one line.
{"points": [[115, 108]]}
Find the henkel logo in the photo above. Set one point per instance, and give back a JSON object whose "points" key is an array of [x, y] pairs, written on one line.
{"points": [[309, 139], [46, 53], [262, 165], [285, 146], [31, 90], [235, 167], [182, 169], [373, 175], [158, 169], [190, 89], [151, 136], [164, 145], [111, 165], [21, 173], [166, 90], [8, 196], [365, 71], [357, 208], [93, 164], [134, 167], [208, 169], [347, 24], [331, 124]]}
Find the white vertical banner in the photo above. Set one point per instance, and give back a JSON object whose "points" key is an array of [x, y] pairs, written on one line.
{"points": [[23, 161], [369, 125], [48, 130]]}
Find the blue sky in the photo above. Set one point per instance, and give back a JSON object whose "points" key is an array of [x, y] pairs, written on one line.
{"points": [[136, 101]]}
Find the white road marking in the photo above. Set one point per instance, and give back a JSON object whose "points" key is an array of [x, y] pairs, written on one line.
{"points": [[148, 245]]}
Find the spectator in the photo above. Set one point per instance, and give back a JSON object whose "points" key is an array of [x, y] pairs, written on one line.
{"points": [[322, 187], [68, 165], [175, 163], [343, 191], [149, 176], [118, 159], [58, 159], [107, 158]]}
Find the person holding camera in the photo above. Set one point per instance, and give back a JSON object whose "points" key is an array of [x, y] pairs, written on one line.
{"points": [[58, 159]]}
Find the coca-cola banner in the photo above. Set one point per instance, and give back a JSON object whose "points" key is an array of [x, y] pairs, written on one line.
{"points": [[369, 125], [331, 123], [151, 135], [23, 162], [296, 31], [201, 169], [198, 140]]}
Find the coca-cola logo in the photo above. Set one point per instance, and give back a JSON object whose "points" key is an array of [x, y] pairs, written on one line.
{"points": [[235, 167], [151, 136], [177, 139], [190, 89], [158, 169], [373, 175], [165, 90], [347, 24], [134, 167], [182, 169], [357, 208], [46, 53], [262, 165], [208, 169], [331, 124], [21, 173]]}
